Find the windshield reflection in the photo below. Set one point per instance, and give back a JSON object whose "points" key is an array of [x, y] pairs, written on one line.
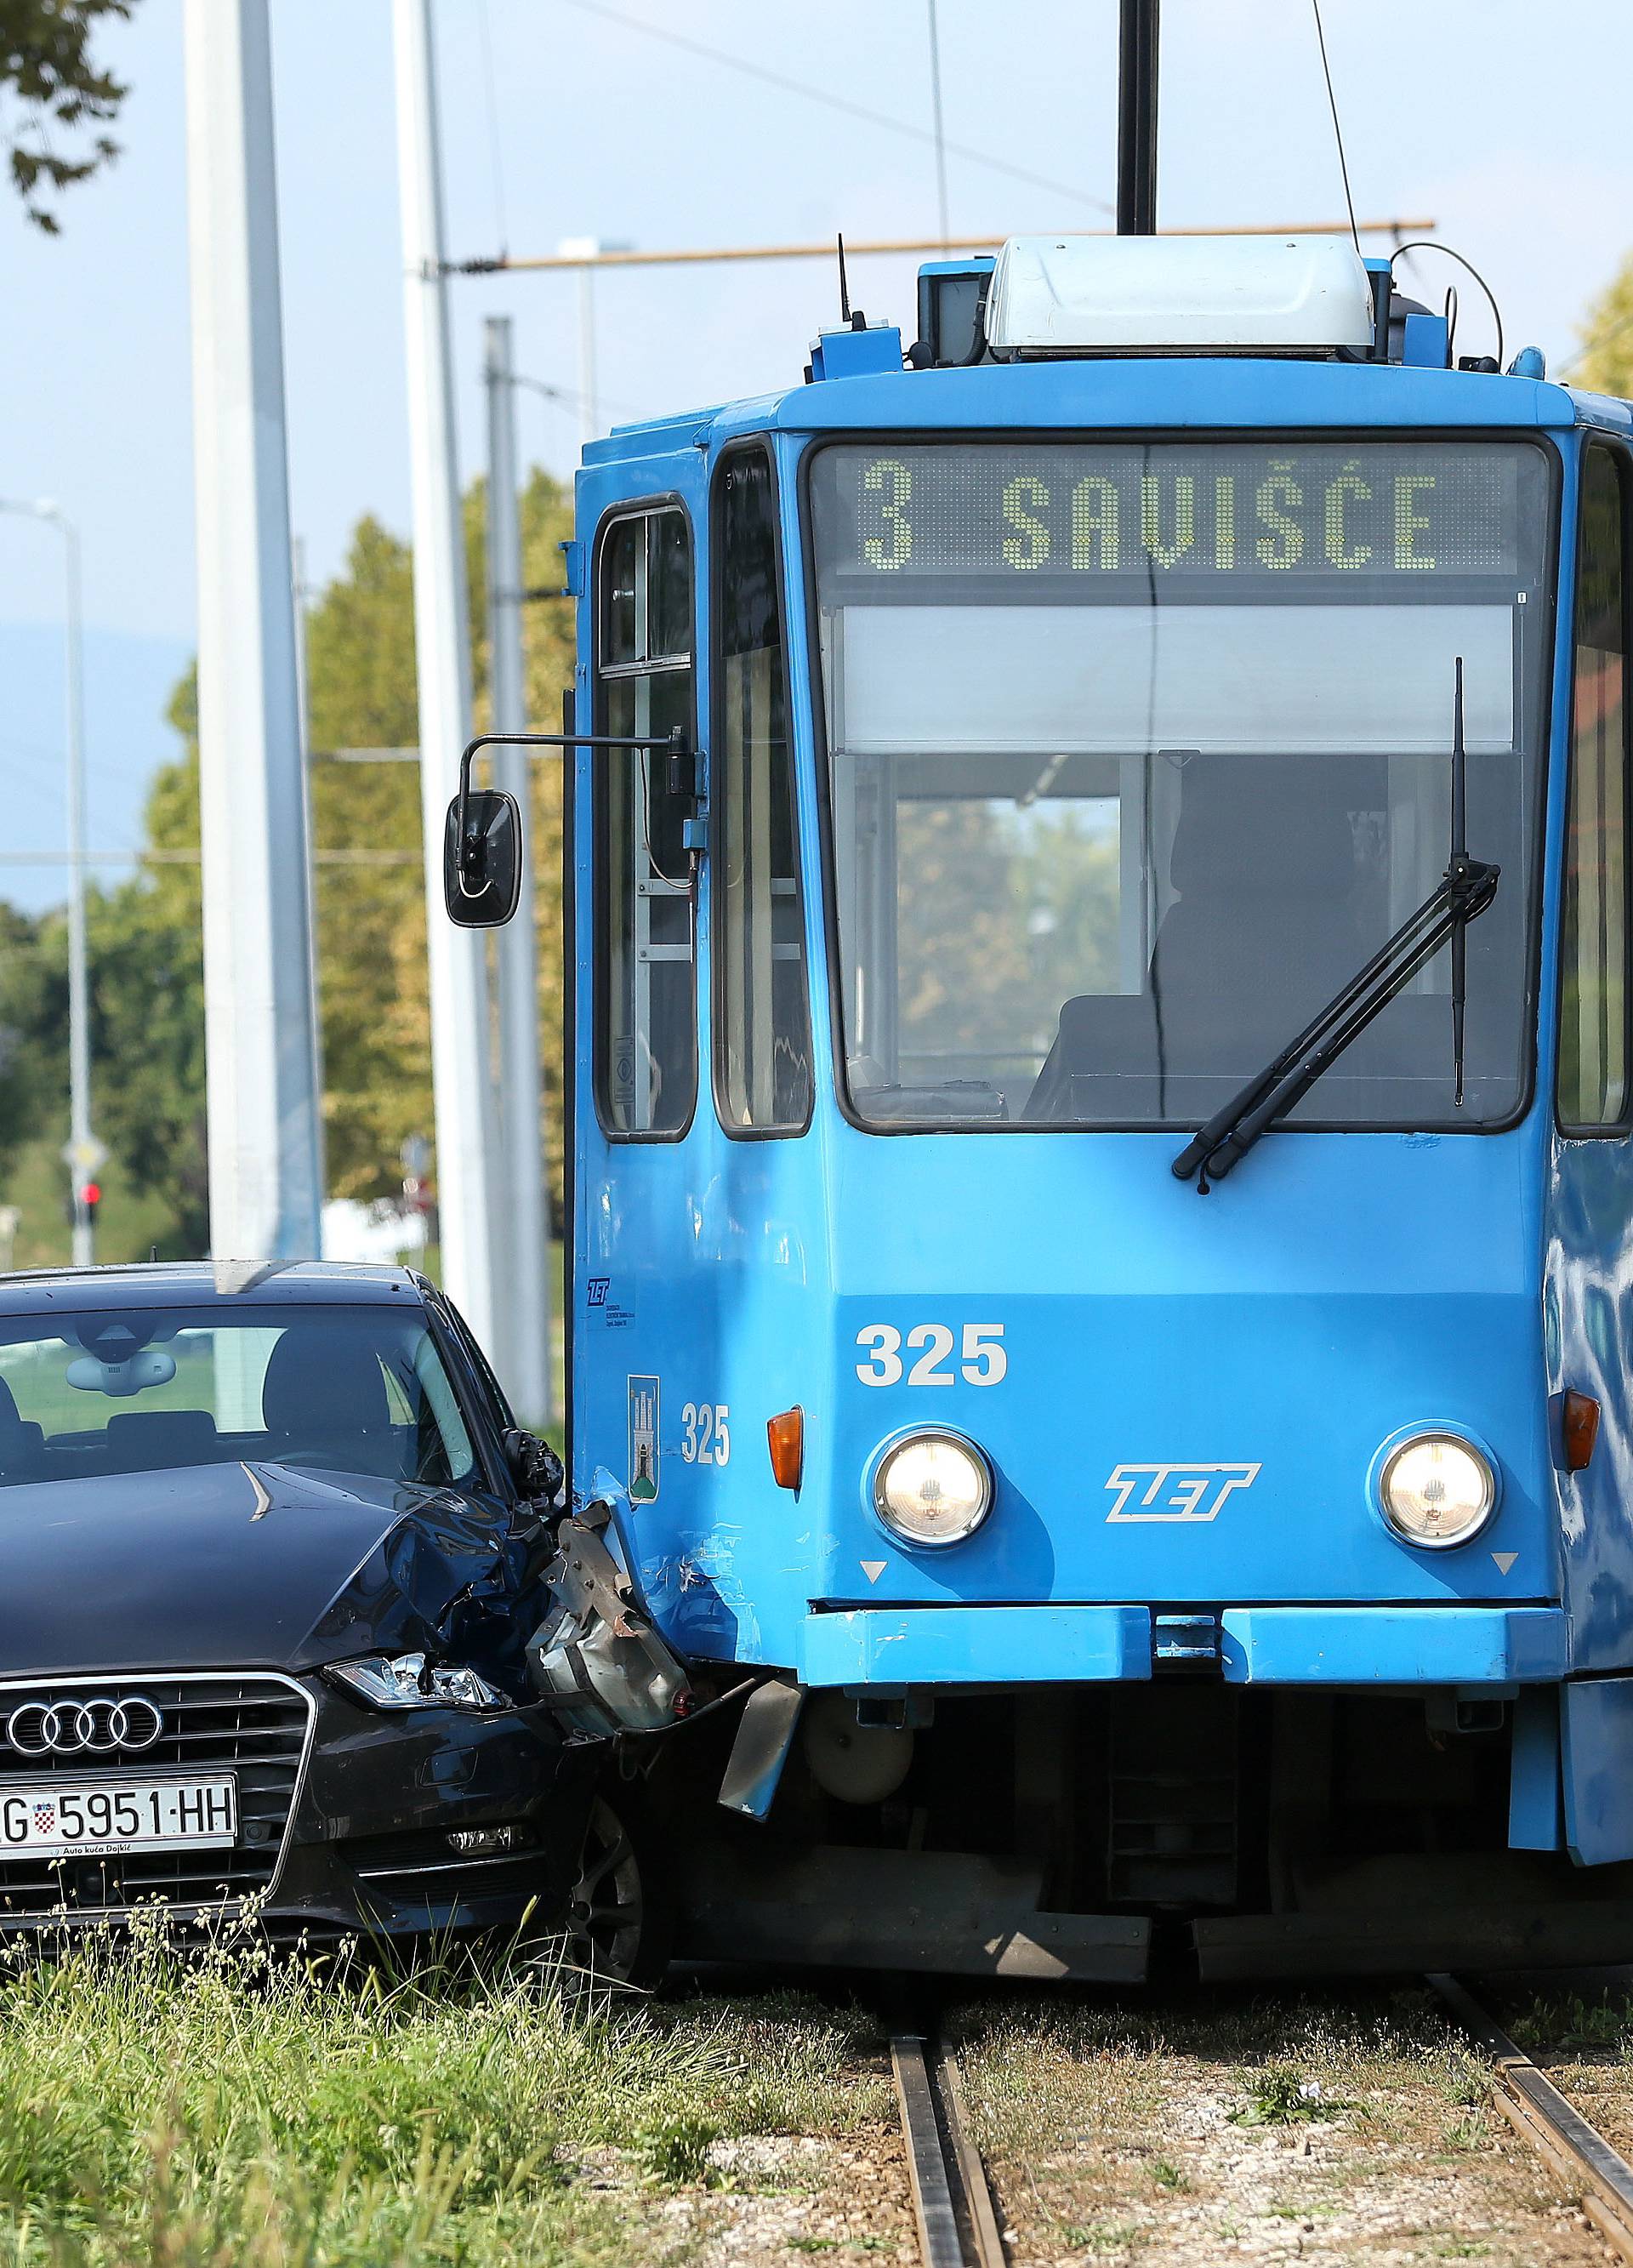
{"points": [[357, 1391]]}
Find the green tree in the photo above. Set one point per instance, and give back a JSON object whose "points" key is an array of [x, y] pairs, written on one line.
{"points": [[1605, 364], [24, 1085], [371, 960], [59, 97], [147, 1027], [369, 897], [147, 960], [146, 937]]}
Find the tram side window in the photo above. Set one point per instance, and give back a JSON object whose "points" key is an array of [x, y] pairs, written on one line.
{"points": [[646, 1020], [1593, 1066], [763, 1079]]}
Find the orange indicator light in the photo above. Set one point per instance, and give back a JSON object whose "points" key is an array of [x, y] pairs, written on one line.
{"points": [[1580, 1420], [786, 1435]]}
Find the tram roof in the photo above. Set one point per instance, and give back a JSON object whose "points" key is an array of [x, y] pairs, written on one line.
{"points": [[1127, 394]]}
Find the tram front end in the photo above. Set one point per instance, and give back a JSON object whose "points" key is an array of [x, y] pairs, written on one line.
{"points": [[1100, 1149]]}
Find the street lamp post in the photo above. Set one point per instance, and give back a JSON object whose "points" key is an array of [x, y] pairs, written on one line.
{"points": [[83, 1153], [524, 1359]]}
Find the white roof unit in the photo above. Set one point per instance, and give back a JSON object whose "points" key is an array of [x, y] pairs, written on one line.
{"points": [[1084, 294]]}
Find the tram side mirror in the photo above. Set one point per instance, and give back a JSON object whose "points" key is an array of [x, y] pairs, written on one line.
{"points": [[482, 863]]}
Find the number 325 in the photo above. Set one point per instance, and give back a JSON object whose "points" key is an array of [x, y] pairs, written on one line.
{"points": [[983, 1358], [706, 1437]]}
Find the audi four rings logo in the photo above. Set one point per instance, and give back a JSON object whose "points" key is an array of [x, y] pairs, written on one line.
{"points": [[99, 1726]]}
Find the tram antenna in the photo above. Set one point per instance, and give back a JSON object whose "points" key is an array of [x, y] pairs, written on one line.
{"points": [[1338, 132], [1138, 46], [845, 284]]}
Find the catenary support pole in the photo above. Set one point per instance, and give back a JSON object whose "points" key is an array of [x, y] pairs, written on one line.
{"points": [[265, 1186], [461, 1074], [82, 1141], [1136, 118], [935, 111], [300, 592], [524, 1356]]}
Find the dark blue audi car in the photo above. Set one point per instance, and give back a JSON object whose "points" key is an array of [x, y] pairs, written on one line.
{"points": [[271, 1548]]}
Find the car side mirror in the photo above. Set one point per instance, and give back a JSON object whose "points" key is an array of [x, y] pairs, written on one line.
{"points": [[535, 1466], [482, 862]]}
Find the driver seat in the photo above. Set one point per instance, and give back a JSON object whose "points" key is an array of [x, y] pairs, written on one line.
{"points": [[1264, 929], [324, 1396]]}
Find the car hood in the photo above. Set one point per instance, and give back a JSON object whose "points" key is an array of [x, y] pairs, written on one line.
{"points": [[258, 1565]]}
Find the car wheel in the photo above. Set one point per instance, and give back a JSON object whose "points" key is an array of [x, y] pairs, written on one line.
{"points": [[618, 1918]]}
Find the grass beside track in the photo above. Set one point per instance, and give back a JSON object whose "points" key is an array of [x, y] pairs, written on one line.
{"points": [[209, 2107], [1271, 2127]]}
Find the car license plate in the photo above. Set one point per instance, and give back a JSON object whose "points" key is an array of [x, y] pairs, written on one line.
{"points": [[107, 1816]]}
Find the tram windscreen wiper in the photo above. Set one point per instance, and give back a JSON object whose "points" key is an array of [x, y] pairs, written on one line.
{"points": [[1464, 892]]}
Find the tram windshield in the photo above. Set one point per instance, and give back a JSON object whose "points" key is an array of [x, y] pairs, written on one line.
{"points": [[1137, 752]]}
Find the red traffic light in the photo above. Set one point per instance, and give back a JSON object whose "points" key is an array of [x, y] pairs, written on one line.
{"points": [[91, 1193]]}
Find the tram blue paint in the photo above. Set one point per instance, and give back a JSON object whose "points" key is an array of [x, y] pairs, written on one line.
{"points": [[1395, 1645], [1598, 1739], [855, 1646], [1536, 1795], [1342, 1288]]}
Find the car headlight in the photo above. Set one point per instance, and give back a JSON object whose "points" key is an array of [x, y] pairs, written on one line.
{"points": [[932, 1488], [408, 1681], [1436, 1489]]}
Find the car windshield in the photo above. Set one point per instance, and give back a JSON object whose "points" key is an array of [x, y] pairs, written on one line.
{"points": [[1136, 752], [333, 1389]]}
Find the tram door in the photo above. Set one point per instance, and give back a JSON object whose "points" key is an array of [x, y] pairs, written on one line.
{"points": [[694, 1195], [636, 978]]}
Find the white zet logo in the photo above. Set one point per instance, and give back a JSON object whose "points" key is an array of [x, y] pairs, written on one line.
{"points": [[1193, 1492]]}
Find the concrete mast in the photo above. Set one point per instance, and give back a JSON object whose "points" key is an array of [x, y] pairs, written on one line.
{"points": [[462, 1073], [524, 1360], [265, 1176]]}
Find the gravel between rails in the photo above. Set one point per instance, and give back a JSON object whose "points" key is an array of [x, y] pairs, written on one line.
{"points": [[777, 2201], [1322, 2130]]}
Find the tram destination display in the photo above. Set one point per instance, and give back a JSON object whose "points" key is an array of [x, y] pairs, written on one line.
{"points": [[1383, 514]]}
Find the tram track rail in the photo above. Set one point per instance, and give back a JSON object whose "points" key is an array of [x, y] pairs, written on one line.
{"points": [[953, 2205], [1574, 2149]]}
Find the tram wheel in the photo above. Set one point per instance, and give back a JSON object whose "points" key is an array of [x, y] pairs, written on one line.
{"points": [[619, 1922]]}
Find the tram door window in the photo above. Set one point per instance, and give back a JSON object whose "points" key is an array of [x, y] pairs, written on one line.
{"points": [[646, 1020], [763, 1044], [1594, 1084]]}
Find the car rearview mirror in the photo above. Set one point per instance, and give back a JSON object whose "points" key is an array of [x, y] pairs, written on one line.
{"points": [[482, 863]]}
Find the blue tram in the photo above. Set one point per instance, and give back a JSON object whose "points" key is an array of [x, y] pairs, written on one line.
{"points": [[1102, 1132]]}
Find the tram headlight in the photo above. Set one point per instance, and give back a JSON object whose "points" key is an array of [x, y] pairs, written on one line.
{"points": [[1436, 1489], [932, 1488]]}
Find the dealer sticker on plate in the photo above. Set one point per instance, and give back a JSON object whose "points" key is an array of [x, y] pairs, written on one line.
{"points": [[119, 1815]]}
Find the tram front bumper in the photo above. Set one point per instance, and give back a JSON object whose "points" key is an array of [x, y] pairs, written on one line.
{"points": [[1364, 1646]]}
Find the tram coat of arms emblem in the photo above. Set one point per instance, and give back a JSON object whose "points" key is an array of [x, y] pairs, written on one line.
{"points": [[642, 1440]]}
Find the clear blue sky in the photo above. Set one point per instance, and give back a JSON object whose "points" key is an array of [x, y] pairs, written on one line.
{"points": [[1511, 133]]}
